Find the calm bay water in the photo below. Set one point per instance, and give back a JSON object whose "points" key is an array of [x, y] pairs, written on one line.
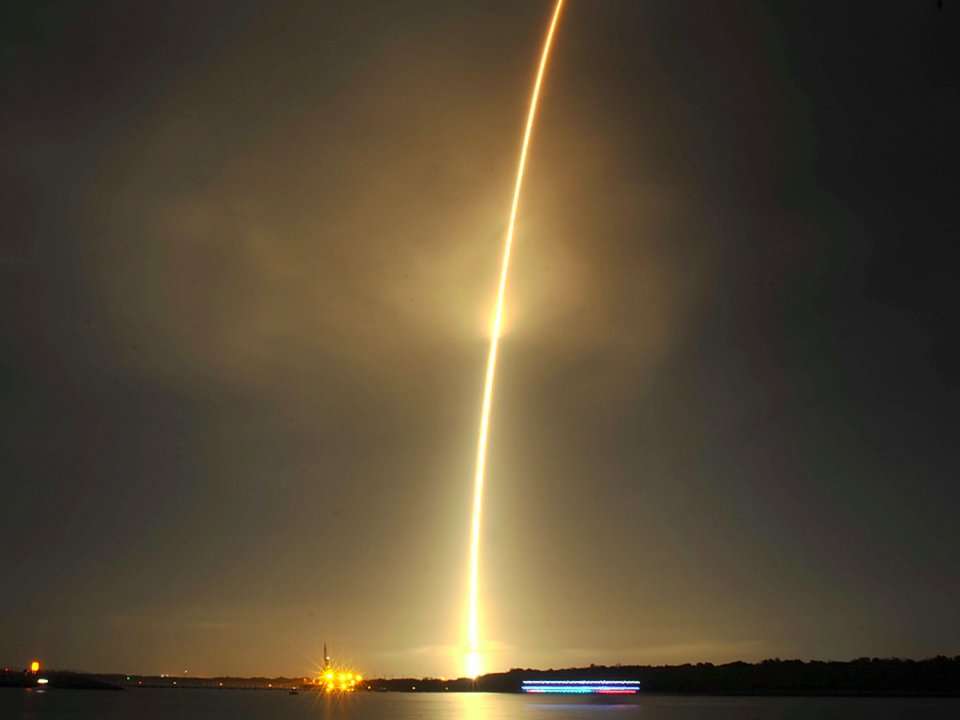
{"points": [[184, 704]]}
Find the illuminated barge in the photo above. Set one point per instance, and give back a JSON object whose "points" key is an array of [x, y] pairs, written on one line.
{"points": [[581, 687]]}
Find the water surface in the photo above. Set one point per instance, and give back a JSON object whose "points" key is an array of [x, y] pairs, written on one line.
{"points": [[187, 704]]}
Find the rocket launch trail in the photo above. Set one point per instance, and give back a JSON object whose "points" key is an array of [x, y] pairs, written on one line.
{"points": [[474, 660]]}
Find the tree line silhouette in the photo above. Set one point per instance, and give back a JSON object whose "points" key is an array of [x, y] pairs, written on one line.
{"points": [[938, 676]]}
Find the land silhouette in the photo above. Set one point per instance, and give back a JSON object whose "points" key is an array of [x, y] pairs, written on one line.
{"points": [[877, 677], [938, 676]]}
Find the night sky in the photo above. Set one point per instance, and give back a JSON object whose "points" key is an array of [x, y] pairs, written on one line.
{"points": [[249, 255]]}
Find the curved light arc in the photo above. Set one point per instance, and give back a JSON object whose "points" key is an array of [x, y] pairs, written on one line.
{"points": [[473, 658]]}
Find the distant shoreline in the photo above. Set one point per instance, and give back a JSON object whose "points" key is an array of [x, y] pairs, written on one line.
{"points": [[937, 677], [55, 679]]}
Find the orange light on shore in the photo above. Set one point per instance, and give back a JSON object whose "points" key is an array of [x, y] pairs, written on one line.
{"points": [[35, 666], [338, 680]]}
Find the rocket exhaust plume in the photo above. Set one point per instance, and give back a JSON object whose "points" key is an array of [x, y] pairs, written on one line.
{"points": [[474, 660]]}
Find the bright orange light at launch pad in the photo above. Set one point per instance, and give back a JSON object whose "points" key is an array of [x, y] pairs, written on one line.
{"points": [[338, 681], [473, 659]]}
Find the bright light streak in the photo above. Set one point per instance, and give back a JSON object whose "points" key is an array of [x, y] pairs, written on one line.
{"points": [[473, 659], [582, 687], [577, 690], [610, 683]]}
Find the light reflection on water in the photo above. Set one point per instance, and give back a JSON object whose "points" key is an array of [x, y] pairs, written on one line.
{"points": [[184, 704]]}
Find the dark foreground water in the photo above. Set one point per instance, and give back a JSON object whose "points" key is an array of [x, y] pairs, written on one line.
{"points": [[157, 704]]}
